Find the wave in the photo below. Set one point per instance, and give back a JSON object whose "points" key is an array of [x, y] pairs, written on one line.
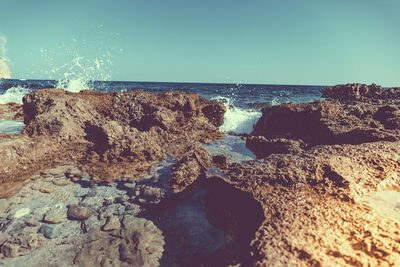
{"points": [[238, 120], [14, 94]]}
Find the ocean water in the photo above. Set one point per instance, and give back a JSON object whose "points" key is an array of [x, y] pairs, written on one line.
{"points": [[243, 101]]}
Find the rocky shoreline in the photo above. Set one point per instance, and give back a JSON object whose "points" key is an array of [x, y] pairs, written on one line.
{"points": [[124, 179]]}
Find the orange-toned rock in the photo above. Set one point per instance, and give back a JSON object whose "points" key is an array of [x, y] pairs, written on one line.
{"points": [[11, 111], [110, 134], [324, 191], [314, 209]]}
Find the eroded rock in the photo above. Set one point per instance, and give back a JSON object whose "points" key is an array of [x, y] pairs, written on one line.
{"points": [[22, 243], [110, 134], [141, 244]]}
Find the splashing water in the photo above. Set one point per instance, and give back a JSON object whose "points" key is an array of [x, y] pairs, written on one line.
{"points": [[84, 62], [13, 94], [238, 120], [78, 75]]}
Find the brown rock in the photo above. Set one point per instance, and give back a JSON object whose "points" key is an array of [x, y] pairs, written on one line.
{"points": [[46, 190], [353, 91], [76, 212], [112, 223], [193, 165], [325, 122], [111, 134], [263, 147], [313, 203], [11, 111], [22, 243], [55, 216]]}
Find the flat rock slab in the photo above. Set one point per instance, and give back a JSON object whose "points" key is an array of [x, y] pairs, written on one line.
{"points": [[55, 216], [21, 213]]}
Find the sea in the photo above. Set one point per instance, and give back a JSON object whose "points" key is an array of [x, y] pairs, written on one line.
{"points": [[243, 102]]}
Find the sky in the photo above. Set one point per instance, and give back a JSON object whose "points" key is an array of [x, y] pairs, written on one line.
{"points": [[313, 42]]}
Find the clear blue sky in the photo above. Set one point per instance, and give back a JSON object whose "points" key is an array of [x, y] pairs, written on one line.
{"points": [[282, 42]]}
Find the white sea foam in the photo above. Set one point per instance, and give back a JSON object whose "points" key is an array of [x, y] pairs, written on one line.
{"points": [[238, 120], [11, 127], [77, 74], [13, 94]]}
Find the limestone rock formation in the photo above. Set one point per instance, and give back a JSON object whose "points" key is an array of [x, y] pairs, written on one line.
{"points": [[325, 123], [315, 209], [110, 134], [359, 92], [321, 165], [316, 195], [4, 70]]}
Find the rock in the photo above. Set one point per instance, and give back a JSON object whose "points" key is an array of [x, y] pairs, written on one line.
{"points": [[21, 213], [129, 185], [138, 245], [76, 212], [11, 111], [263, 147], [220, 159], [61, 182], [32, 221], [353, 91], [49, 231], [112, 135], [112, 223], [313, 201], [193, 165], [55, 215], [149, 194], [22, 243], [144, 242], [324, 123], [121, 199], [46, 190], [3, 206]]}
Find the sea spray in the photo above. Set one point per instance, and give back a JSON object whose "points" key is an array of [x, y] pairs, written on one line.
{"points": [[76, 64], [238, 120], [13, 94]]}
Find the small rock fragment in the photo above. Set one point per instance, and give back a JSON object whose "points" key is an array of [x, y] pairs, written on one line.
{"points": [[46, 190], [129, 185], [113, 223], [60, 182], [55, 216], [76, 212], [48, 231], [21, 213]]}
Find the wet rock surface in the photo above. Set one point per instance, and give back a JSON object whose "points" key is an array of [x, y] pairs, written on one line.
{"points": [[87, 223]]}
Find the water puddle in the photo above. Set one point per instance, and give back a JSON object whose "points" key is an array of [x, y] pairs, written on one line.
{"points": [[11, 126], [233, 146]]}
